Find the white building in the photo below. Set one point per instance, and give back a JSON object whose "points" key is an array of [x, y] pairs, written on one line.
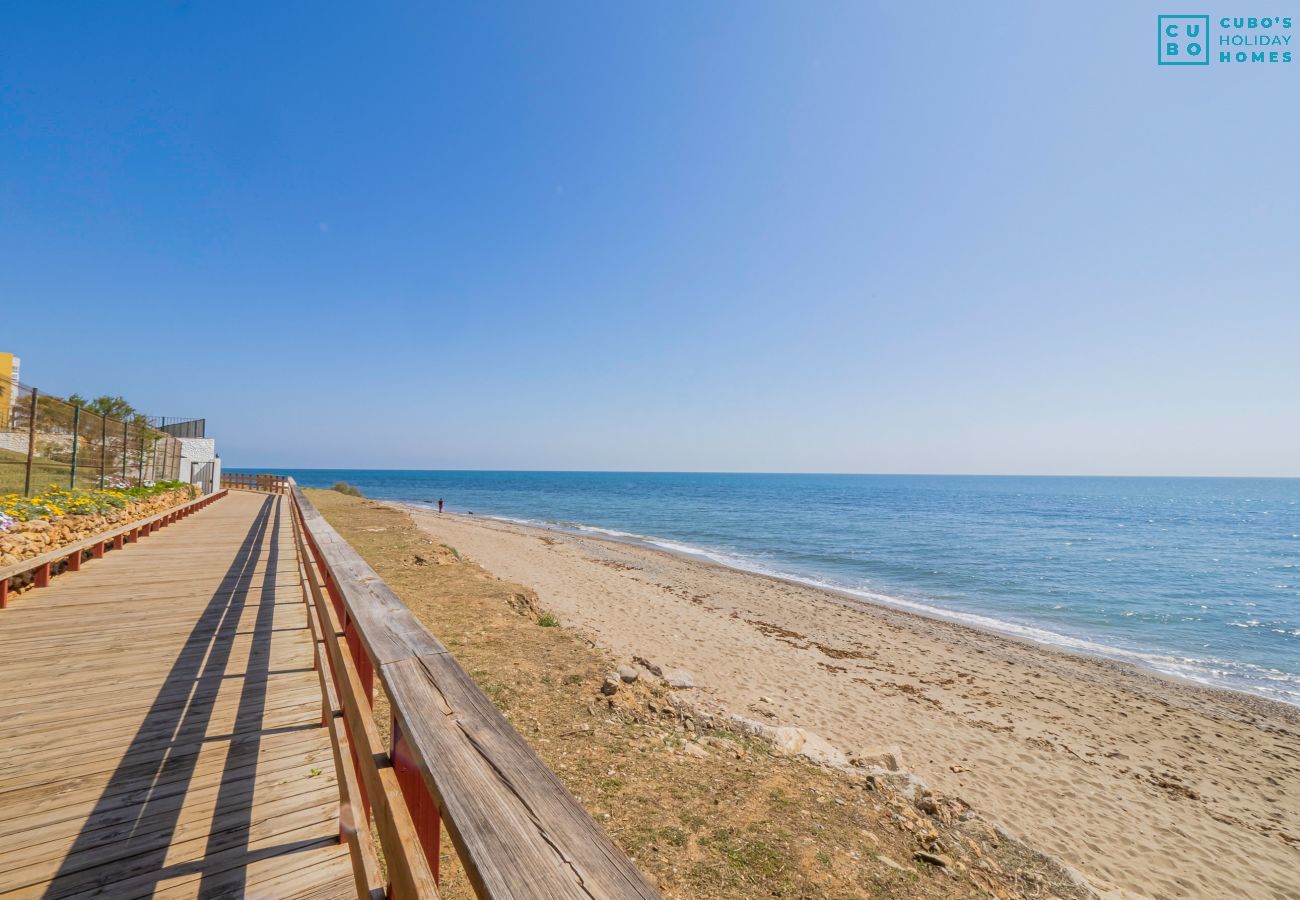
{"points": [[200, 463]]}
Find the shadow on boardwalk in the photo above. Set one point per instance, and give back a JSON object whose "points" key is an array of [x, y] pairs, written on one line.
{"points": [[128, 835]]}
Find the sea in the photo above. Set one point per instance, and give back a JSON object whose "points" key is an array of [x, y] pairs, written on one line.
{"points": [[1193, 577]]}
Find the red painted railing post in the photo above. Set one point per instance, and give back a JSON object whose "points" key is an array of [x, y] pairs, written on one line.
{"points": [[365, 671], [43, 576], [4, 593], [333, 590], [74, 562], [97, 552], [424, 812]]}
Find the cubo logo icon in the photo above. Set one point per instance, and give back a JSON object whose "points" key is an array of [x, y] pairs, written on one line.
{"points": [[1184, 40]]}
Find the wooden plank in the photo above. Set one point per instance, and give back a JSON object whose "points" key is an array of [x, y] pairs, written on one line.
{"points": [[159, 829], [50, 823], [319, 873], [61, 801], [281, 835], [298, 710]]}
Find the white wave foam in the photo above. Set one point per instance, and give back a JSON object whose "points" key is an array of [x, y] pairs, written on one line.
{"points": [[1212, 672]]}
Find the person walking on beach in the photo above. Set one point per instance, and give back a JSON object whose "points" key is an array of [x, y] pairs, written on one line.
{"points": [[439, 505]]}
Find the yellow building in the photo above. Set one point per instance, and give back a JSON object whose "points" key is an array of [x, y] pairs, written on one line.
{"points": [[8, 385]]}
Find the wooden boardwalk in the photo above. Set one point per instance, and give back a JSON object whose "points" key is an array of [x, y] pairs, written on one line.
{"points": [[160, 722]]}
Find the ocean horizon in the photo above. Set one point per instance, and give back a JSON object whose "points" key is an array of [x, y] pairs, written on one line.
{"points": [[1196, 577]]}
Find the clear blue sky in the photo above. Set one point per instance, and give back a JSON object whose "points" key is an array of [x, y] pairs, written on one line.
{"points": [[864, 237]]}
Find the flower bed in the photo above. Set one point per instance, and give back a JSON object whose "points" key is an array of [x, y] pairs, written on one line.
{"points": [[30, 526]]}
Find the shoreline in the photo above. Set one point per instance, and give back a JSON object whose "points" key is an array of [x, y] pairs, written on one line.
{"points": [[1129, 663], [1146, 783]]}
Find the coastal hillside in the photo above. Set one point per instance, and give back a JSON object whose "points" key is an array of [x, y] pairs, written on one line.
{"points": [[706, 809]]}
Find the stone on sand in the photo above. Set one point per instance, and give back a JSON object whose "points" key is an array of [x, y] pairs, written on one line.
{"points": [[934, 859], [888, 758], [800, 742], [679, 678], [648, 666]]}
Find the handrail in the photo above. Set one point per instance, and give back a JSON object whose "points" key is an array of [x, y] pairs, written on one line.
{"points": [[249, 481], [454, 758], [96, 544]]}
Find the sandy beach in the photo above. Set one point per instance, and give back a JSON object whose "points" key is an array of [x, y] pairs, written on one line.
{"points": [[1145, 785]]}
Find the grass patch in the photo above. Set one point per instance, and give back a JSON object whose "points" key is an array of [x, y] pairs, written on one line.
{"points": [[674, 837], [548, 620]]}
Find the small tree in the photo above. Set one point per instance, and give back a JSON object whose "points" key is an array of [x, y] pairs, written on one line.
{"points": [[110, 407]]}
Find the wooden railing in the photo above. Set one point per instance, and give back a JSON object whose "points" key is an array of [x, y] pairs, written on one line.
{"points": [[453, 759], [243, 481], [72, 555]]}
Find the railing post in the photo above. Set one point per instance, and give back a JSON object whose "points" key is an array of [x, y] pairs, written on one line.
{"points": [[365, 671], [424, 812], [31, 446], [76, 437]]}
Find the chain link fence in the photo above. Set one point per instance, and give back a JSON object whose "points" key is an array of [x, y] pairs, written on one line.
{"points": [[46, 440]]}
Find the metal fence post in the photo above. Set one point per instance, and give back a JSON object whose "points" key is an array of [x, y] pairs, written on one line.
{"points": [[142, 456], [103, 449], [124, 447], [31, 446], [76, 436]]}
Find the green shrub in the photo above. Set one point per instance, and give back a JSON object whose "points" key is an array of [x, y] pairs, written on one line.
{"points": [[547, 620], [344, 488]]}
